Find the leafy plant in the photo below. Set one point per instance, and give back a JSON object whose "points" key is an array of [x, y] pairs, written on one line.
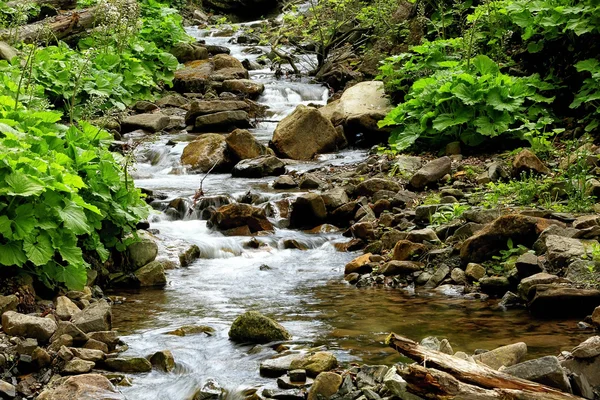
{"points": [[507, 258], [447, 213], [470, 101], [62, 193], [589, 94]]}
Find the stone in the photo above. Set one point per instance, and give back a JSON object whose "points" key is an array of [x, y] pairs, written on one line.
{"points": [[7, 52], [69, 329], [398, 386], [278, 365], [284, 182], [364, 230], [259, 167], [163, 361], [431, 342], [303, 134], [8, 303], [65, 354], [211, 390], [154, 122], [503, 356], [527, 162], [494, 285], [545, 370], [422, 235], [65, 308], [95, 317], [310, 181], [78, 366], [128, 364], [6, 389], [581, 386], [87, 386], [246, 87], [206, 152], [493, 237], [237, 215], [586, 221], [527, 265], [189, 255], [142, 251], [256, 328], [206, 107], [587, 367], [315, 363], [438, 276], [558, 301], [588, 349], [431, 172], [335, 198], [562, 250], [475, 271], [244, 145], [185, 52], [41, 358], [224, 121], [192, 330], [371, 186], [445, 347], [458, 276], [482, 216], [400, 267], [541, 278], [151, 275], [297, 375], [88, 354], [596, 317], [110, 338], [16, 324], [26, 346], [308, 211], [358, 264], [93, 344], [326, 384]]}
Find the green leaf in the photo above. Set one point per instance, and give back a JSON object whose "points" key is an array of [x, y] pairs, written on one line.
{"points": [[590, 65], [74, 218], [24, 221], [485, 65], [445, 121], [23, 185], [40, 252], [5, 228], [12, 254]]}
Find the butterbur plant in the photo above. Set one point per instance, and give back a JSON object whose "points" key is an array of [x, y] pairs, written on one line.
{"points": [[470, 101], [589, 94], [62, 194]]}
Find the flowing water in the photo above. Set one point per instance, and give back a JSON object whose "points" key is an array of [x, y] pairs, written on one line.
{"points": [[304, 290]]}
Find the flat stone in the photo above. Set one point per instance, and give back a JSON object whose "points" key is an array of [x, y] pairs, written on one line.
{"points": [[17, 324], [154, 122], [87, 386], [78, 366], [88, 354], [315, 363], [128, 364], [278, 365], [431, 173]]}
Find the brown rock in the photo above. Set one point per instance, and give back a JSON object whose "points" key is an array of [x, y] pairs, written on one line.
{"points": [[356, 264], [205, 152], [205, 107], [238, 215], [503, 356], [326, 384], [406, 250], [88, 386], [527, 162], [400, 267], [243, 145]]}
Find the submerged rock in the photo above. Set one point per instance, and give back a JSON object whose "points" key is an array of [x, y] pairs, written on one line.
{"points": [[256, 328]]}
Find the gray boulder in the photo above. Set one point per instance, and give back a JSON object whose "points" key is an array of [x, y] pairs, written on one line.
{"points": [[95, 317], [143, 251], [545, 370], [431, 173], [259, 167], [16, 324], [154, 122], [256, 328]]}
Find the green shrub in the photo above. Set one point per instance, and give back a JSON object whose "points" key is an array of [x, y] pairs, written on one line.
{"points": [[469, 101], [62, 193], [589, 94]]}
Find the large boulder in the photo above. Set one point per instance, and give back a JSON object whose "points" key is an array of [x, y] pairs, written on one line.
{"points": [[205, 107], [431, 173], [16, 324], [545, 370], [308, 211], [95, 317], [143, 251], [303, 134], [256, 328], [88, 386], [561, 251], [151, 275], [185, 52], [243, 145], [360, 107], [259, 167], [492, 238], [205, 152], [238, 215]]}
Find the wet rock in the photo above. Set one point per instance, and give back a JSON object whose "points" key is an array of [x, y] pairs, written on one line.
{"points": [[185, 52], [16, 324], [431, 173], [95, 317], [154, 122], [359, 264], [65, 308], [588, 349], [315, 363], [545, 370], [371, 186], [503, 356], [206, 107], [8, 303], [294, 244], [297, 375], [527, 162], [475, 271], [308, 211], [6, 389], [438, 276], [88, 386], [527, 265], [291, 394], [243, 145], [192, 330], [259, 167], [238, 215], [561, 250], [142, 251], [400, 267], [360, 107], [189, 256], [256, 328], [246, 87], [326, 384], [128, 364], [284, 182], [205, 152], [163, 361], [494, 285], [278, 365], [335, 198], [493, 238], [211, 390], [88, 354], [311, 181], [78, 366], [559, 301], [303, 134], [224, 121], [151, 275], [510, 299]]}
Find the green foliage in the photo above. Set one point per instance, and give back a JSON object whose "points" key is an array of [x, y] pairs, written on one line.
{"points": [[447, 213], [469, 101], [506, 260], [62, 193], [589, 94], [162, 25]]}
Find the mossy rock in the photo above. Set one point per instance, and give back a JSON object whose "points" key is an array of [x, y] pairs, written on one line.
{"points": [[256, 328], [315, 363]]}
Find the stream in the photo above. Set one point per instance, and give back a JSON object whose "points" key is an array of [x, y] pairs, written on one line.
{"points": [[303, 290]]}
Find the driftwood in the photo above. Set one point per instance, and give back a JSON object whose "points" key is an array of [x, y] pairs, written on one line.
{"points": [[447, 377], [56, 4]]}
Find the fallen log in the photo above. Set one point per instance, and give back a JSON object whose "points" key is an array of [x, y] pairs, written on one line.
{"points": [[467, 373]]}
